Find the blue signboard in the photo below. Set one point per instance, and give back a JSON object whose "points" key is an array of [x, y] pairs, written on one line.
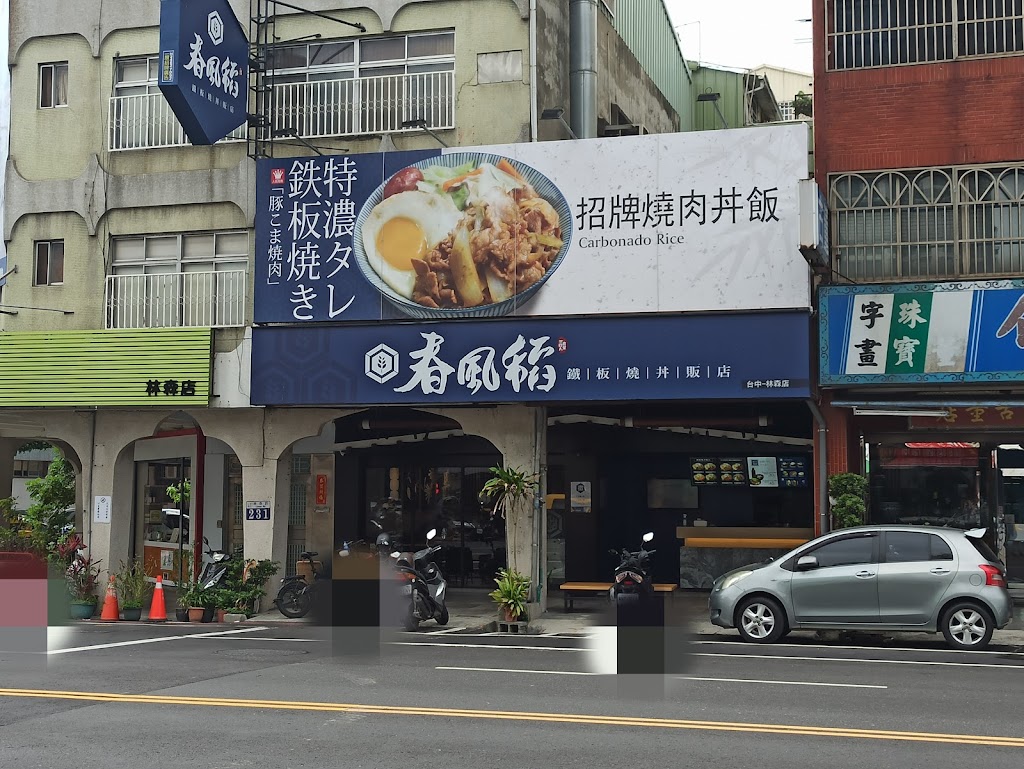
{"points": [[929, 332], [204, 67], [740, 356]]}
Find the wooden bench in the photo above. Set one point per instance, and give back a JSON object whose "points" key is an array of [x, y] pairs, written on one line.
{"points": [[572, 590]]}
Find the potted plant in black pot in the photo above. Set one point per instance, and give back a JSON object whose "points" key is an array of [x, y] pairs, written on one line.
{"points": [[511, 595], [186, 581], [132, 588]]}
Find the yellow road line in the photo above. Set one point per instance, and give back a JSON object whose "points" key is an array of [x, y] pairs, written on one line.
{"points": [[565, 718]]}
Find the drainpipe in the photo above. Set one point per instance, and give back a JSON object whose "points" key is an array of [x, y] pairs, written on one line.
{"points": [[820, 461], [87, 511], [583, 68], [540, 528], [533, 71]]}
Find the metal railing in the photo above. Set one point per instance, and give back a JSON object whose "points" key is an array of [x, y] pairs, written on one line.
{"points": [[365, 105], [145, 121], [176, 300]]}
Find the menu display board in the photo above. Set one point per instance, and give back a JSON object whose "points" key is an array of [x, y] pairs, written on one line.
{"points": [[763, 471], [705, 471], [733, 472], [793, 472]]}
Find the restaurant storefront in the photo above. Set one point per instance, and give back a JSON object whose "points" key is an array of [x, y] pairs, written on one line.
{"points": [[499, 305], [924, 383]]}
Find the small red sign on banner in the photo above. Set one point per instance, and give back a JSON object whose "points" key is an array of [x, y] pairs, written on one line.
{"points": [[321, 489]]}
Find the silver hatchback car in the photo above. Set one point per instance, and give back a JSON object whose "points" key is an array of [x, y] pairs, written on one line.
{"points": [[884, 578]]}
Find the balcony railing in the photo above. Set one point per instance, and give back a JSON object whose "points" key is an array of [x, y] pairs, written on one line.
{"points": [[146, 121], [318, 109], [365, 105], [176, 300]]}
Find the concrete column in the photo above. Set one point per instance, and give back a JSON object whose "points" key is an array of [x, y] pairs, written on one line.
{"points": [[520, 434], [320, 511], [268, 482]]}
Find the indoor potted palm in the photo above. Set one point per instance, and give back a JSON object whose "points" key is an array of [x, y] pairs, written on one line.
{"points": [[132, 586], [511, 594]]}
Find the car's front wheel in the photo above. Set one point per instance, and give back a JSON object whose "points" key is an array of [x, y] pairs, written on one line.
{"points": [[967, 626], [760, 620]]}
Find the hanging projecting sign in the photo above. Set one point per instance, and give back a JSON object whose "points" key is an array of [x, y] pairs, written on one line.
{"points": [[728, 356], [698, 221], [931, 332], [204, 67]]}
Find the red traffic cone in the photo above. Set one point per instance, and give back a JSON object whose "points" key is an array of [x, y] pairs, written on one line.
{"points": [[111, 613], [158, 610]]}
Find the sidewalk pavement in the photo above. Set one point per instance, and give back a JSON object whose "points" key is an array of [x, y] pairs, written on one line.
{"points": [[471, 610]]}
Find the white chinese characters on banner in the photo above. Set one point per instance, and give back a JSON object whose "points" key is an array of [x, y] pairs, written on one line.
{"points": [[222, 75], [478, 369], [314, 215]]}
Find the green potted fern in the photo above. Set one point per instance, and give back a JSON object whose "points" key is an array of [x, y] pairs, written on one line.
{"points": [[511, 594]]}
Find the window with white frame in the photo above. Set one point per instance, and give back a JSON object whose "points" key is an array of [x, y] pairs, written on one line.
{"points": [[929, 223], [193, 279], [49, 263], [364, 86], [53, 85], [788, 110], [139, 114], [883, 33]]}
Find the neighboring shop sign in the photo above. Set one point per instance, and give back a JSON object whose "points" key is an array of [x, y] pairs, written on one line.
{"points": [[678, 222], [140, 367], [929, 332], [204, 67], [972, 418], [257, 511], [321, 490], [950, 455], [575, 359]]}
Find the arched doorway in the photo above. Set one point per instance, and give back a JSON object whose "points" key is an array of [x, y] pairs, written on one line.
{"points": [[412, 471]]}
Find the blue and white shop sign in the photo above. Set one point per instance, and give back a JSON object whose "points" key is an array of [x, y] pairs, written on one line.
{"points": [[922, 332], [204, 67], [737, 356]]}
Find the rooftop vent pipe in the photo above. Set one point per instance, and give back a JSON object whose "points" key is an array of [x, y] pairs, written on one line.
{"points": [[583, 68]]}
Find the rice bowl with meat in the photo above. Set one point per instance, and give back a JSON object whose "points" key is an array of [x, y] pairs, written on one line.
{"points": [[462, 235]]}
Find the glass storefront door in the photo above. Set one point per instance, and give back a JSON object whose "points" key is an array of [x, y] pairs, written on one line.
{"points": [[409, 500]]}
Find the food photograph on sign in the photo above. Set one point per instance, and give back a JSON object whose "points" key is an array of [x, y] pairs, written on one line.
{"points": [[462, 235]]}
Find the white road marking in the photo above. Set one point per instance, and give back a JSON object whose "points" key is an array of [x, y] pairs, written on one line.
{"points": [[687, 678], [784, 683], [446, 631], [152, 640], [486, 646], [214, 637], [862, 661], [516, 670], [862, 648]]}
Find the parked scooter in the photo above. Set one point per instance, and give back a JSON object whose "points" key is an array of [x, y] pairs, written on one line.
{"points": [[215, 569], [295, 598], [632, 576], [424, 583]]}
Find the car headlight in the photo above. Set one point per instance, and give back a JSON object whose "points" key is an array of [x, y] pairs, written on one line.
{"points": [[733, 578]]}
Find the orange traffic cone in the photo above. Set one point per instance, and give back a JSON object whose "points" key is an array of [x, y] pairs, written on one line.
{"points": [[158, 610], [111, 613]]}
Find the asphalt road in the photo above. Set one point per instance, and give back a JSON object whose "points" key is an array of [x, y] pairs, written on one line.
{"points": [[281, 697]]}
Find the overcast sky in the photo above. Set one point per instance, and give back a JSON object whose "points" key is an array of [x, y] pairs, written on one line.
{"points": [[745, 33]]}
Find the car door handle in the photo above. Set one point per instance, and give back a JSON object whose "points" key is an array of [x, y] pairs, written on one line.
{"points": [[939, 570], [864, 574]]}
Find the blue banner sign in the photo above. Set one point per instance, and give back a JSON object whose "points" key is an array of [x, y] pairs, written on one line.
{"points": [[536, 360], [204, 67], [926, 332], [632, 225]]}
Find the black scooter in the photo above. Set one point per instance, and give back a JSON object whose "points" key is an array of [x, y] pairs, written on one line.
{"points": [[633, 586], [422, 581], [215, 569]]}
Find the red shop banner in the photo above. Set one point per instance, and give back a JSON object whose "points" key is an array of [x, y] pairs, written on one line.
{"points": [[929, 455]]}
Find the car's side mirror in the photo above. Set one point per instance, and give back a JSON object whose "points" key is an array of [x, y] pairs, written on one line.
{"points": [[806, 563]]}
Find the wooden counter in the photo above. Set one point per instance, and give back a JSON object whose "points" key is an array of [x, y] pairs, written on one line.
{"points": [[743, 537]]}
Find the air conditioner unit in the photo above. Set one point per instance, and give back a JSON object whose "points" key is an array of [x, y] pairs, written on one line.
{"points": [[626, 129]]}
